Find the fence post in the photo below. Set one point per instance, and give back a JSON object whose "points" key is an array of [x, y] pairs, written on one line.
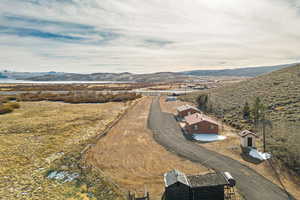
{"points": [[130, 196]]}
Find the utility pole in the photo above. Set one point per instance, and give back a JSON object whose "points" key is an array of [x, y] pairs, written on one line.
{"points": [[265, 123], [264, 133]]}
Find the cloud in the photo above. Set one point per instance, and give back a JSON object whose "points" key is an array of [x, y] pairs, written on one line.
{"points": [[26, 32], [147, 36]]}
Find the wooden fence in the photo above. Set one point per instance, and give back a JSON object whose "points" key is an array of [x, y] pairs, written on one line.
{"points": [[133, 197]]}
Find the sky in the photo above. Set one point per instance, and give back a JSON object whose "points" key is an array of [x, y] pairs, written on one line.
{"points": [[143, 36]]}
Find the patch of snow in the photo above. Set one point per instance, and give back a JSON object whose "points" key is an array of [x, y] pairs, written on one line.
{"points": [[52, 175], [182, 124], [71, 177], [259, 155], [208, 137], [63, 175]]}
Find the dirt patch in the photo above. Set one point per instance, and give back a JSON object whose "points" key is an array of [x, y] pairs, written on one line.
{"points": [[131, 157]]}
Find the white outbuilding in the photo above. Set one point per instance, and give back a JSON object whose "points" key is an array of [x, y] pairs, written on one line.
{"points": [[171, 98], [248, 139]]}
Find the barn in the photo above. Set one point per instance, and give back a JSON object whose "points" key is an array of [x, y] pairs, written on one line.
{"points": [[200, 124], [179, 186], [186, 110]]}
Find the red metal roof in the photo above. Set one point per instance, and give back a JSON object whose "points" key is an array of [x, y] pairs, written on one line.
{"points": [[187, 107], [197, 117]]}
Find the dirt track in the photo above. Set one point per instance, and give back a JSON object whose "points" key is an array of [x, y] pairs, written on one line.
{"points": [[249, 183]]}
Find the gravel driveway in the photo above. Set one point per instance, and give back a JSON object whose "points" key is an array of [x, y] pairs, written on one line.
{"points": [[250, 184]]}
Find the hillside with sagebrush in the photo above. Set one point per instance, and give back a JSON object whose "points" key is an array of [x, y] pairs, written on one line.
{"points": [[279, 91]]}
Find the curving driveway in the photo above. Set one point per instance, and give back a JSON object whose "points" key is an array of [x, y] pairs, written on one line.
{"points": [[250, 184]]}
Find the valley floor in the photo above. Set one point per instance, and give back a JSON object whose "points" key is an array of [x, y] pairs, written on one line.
{"points": [[36, 136]]}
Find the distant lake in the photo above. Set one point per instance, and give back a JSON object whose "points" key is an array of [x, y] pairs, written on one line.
{"points": [[56, 82]]}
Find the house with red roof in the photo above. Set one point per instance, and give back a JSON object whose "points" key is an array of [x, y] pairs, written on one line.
{"points": [[200, 124], [186, 110]]}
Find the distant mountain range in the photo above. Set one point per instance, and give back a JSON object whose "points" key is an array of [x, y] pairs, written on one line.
{"points": [[152, 77], [248, 72], [25, 75], [2, 75], [126, 77]]}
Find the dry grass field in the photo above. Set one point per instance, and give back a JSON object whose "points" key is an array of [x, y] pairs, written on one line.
{"points": [[231, 148], [131, 157], [44, 136], [80, 86]]}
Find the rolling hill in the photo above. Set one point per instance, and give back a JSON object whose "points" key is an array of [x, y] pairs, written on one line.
{"points": [[280, 93], [154, 77], [151, 77], [249, 71]]}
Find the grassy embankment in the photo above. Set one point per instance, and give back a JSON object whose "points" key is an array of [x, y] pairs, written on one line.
{"points": [[42, 137], [280, 92]]}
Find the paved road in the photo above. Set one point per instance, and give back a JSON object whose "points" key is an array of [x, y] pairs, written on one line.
{"points": [[249, 183]]}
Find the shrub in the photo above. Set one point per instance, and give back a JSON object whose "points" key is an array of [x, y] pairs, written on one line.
{"points": [[79, 97], [5, 109], [246, 111], [11, 98], [202, 102], [13, 105], [3, 100]]}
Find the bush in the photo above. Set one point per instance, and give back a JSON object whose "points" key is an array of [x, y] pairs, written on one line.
{"points": [[5, 109], [13, 105], [3, 100], [11, 98], [79, 97], [202, 102]]}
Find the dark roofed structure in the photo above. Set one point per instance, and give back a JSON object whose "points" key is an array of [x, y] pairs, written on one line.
{"points": [[211, 179], [179, 186], [175, 176]]}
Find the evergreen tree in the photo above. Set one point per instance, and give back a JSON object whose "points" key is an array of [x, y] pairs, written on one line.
{"points": [[246, 111], [202, 101], [258, 111]]}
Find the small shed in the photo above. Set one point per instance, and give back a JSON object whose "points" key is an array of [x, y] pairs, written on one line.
{"points": [[200, 124], [248, 139], [179, 186], [186, 110]]}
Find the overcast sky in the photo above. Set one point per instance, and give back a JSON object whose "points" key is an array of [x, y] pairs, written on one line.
{"points": [[147, 35]]}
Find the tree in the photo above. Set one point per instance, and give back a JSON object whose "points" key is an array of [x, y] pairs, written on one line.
{"points": [[264, 122], [202, 101], [257, 111], [246, 111], [259, 115]]}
